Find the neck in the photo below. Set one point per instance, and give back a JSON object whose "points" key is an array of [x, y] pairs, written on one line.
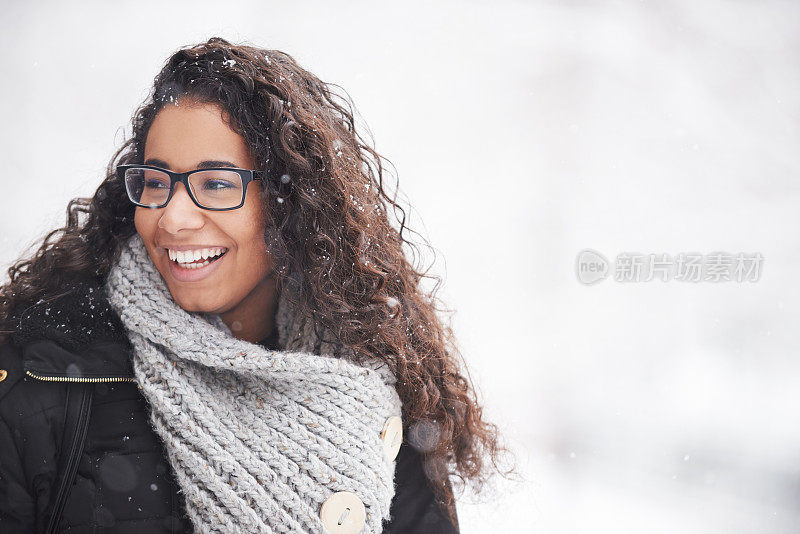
{"points": [[253, 319]]}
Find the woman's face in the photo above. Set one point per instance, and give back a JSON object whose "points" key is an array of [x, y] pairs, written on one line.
{"points": [[239, 285]]}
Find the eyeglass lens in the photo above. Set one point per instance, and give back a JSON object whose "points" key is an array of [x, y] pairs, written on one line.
{"points": [[212, 188]]}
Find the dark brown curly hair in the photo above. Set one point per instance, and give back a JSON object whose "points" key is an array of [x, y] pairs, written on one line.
{"points": [[328, 229]]}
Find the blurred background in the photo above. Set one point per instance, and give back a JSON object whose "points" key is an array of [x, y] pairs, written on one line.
{"points": [[523, 133]]}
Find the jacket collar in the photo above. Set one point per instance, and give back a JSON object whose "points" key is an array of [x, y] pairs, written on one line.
{"points": [[77, 335]]}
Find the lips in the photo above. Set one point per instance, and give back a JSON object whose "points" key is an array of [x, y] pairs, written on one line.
{"points": [[195, 274]]}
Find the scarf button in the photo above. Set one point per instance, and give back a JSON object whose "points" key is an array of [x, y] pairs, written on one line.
{"points": [[392, 436], [343, 513]]}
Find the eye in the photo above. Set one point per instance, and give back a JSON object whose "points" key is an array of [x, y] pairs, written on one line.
{"points": [[154, 184], [216, 185]]}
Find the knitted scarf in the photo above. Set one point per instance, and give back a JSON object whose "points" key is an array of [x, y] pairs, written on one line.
{"points": [[258, 438]]}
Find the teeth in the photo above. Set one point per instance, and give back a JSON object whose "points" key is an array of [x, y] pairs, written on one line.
{"points": [[194, 265], [190, 256]]}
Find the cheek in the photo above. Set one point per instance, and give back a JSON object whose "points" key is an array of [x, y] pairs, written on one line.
{"points": [[253, 253], [253, 260], [251, 235], [146, 223], [140, 222]]}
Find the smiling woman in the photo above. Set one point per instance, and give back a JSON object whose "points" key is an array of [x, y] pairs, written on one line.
{"points": [[233, 339], [184, 137]]}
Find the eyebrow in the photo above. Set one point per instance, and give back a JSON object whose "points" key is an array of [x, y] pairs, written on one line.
{"points": [[207, 164]]}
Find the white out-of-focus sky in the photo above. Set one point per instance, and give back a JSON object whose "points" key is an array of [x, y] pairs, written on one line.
{"points": [[523, 133]]}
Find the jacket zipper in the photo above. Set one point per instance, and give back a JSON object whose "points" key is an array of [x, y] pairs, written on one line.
{"points": [[73, 456], [78, 440], [80, 379]]}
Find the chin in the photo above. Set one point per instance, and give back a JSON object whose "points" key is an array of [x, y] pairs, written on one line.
{"points": [[192, 303]]}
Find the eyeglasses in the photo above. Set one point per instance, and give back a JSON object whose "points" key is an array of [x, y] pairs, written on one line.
{"points": [[216, 188]]}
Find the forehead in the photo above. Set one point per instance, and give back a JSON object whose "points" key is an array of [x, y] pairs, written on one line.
{"points": [[183, 134]]}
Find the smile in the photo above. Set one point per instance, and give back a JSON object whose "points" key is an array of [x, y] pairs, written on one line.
{"points": [[196, 257], [192, 266]]}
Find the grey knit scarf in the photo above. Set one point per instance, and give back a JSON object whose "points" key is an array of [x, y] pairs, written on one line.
{"points": [[259, 439]]}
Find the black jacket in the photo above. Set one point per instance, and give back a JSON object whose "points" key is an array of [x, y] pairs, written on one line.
{"points": [[121, 480]]}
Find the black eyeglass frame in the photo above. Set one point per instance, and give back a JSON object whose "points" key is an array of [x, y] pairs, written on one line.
{"points": [[247, 176]]}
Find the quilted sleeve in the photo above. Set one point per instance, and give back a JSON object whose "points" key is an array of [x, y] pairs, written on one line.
{"points": [[17, 506], [30, 413]]}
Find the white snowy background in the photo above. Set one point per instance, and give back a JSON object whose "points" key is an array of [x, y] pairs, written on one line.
{"points": [[522, 133]]}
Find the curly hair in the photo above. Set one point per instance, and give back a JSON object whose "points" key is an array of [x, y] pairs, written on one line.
{"points": [[328, 230]]}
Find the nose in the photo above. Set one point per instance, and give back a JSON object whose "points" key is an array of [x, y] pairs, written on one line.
{"points": [[181, 213]]}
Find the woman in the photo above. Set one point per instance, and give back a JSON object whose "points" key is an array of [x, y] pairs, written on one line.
{"points": [[231, 338]]}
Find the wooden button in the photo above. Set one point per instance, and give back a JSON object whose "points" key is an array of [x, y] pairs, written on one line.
{"points": [[3, 374], [343, 513], [392, 436]]}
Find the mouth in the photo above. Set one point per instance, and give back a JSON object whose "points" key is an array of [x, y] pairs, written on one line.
{"points": [[195, 270], [184, 263]]}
